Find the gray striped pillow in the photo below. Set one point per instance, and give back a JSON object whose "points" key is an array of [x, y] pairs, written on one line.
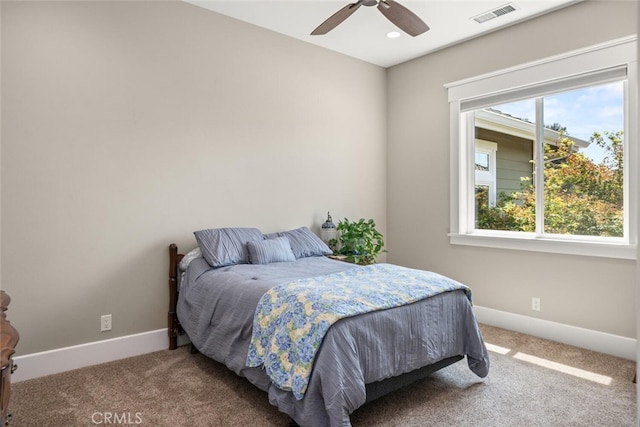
{"points": [[268, 251], [303, 242], [226, 246]]}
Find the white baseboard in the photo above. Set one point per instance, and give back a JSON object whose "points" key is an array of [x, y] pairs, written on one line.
{"points": [[65, 359], [78, 356], [601, 342]]}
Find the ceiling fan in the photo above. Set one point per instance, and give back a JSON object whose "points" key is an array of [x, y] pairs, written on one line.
{"points": [[399, 15]]}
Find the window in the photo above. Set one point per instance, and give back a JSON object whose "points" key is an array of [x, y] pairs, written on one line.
{"points": [[545, 156], [485, 173]]}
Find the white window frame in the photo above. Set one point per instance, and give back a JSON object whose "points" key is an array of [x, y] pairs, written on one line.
{"points": [[584, 67]]}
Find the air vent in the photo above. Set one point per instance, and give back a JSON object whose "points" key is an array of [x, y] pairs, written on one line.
{"points": [[487, 16]]}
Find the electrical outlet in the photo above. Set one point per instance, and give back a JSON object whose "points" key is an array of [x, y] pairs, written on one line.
{"points": [[535, 304], [105, 323]]}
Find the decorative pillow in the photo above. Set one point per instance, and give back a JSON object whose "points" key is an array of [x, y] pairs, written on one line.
{"points": [[226, 246], [268, 251], [303, 242], [190, 256]]}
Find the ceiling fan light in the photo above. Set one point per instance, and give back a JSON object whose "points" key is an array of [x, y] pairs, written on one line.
{"points": [[393, 34]]}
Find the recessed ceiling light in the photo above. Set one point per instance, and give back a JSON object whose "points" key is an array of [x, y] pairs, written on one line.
{"points": [[393, 34]]}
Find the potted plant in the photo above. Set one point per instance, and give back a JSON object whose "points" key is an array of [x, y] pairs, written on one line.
{"points": [[359, 241]]}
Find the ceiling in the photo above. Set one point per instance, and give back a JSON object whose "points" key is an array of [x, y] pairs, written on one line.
{"points": [[363, 34]]}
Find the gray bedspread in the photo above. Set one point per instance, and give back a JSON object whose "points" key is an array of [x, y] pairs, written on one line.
{"points": [[216, 308]]}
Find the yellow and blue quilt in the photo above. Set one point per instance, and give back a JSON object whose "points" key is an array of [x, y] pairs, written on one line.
{"points": [[292, 319]]}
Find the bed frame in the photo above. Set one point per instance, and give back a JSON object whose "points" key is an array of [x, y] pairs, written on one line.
{"points": [[373, 390], [173, 323]]}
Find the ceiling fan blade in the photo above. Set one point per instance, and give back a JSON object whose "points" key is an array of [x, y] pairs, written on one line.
{"points": [[336, 19], [402, 17]]}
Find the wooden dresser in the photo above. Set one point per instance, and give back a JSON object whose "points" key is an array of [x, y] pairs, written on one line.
{"points": [[8, 340]]}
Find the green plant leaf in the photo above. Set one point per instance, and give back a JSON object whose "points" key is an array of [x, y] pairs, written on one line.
{"points": [[359, 241]]}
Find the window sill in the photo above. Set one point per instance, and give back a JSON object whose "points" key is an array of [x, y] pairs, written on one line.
{"points": [[537, 244]]}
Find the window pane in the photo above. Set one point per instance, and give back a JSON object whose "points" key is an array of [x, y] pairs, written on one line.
{"points": [[510, 202], [482, 196], [482, 161], [583, 170], [482, 207]]}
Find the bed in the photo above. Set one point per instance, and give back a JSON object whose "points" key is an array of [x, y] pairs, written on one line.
{"points": [[233, 293]]}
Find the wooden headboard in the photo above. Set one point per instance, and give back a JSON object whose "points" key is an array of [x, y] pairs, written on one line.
{"points": [[173, 323]]}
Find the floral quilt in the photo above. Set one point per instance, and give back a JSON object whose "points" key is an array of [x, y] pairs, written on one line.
{"points": [[292, 319]]}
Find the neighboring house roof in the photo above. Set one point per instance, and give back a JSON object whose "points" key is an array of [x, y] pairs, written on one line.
{"points": [[498, 121]]}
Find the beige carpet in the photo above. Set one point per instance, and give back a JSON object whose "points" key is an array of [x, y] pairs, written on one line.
{"points": [[175, 388]]}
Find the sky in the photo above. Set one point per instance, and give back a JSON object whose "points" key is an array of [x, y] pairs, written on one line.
{"points": [[581, 111]]}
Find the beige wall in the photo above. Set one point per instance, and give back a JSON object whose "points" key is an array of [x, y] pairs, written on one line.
{"points": [[638, 285], [593, 293], [128, 125]]}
